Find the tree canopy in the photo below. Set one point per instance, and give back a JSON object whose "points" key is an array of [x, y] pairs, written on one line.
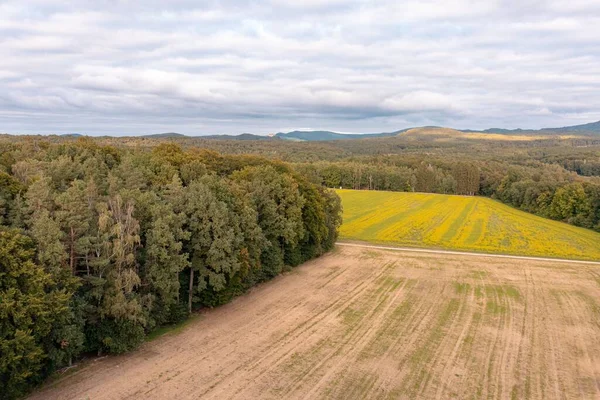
{"points": [[100, 245]]}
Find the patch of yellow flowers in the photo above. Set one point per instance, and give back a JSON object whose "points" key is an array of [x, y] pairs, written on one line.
{"points": [[460, 223]]}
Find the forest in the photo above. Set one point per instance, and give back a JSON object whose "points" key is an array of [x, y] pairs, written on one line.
{"points": [[100, 245], [104, 240]]}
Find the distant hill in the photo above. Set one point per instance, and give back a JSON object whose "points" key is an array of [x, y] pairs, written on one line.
{"points": [[591, 128], [441, 132], [429, 131], [501, 131], [312, 136], [72, 135], [166, 135], [433, 133], [243, 136], [174, 135]]}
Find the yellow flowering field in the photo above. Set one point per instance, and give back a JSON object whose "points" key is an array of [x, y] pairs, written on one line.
{"points": [[460, 223]]}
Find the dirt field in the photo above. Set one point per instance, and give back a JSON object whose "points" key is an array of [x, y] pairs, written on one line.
{"points": [[363, 323]]}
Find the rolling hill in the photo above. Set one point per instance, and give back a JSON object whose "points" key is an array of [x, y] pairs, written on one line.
{"points": [[437, 132], [448, 134], [410, 133], [328, 135], [593, 128], [243, 136], [174, 135], [167, 135]]}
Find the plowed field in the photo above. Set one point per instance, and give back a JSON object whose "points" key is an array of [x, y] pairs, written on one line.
{"points": [[364, 323]]}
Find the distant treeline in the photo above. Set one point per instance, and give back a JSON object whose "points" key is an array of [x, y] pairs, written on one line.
{"points": [[101, 245], [545, 189]]}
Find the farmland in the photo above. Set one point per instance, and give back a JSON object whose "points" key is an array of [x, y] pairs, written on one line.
{"points": [[460, 223], [364, 323]]}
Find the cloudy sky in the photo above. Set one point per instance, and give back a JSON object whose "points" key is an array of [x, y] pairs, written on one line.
{"points": [[234, 66]]}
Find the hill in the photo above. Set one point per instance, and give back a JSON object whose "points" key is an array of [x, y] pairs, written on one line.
{"points": [[311, 136], [174, 135], [435, 133], [167, 135], [425, 132], [460, 223], [441, 133], [592, 128], [243, 136]]}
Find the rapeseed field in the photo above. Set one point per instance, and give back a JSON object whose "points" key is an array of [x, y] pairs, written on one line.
{"points": [[460, 223]]}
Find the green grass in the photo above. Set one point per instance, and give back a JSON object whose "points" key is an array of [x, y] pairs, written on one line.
{"points": [[171, 329], [460, 223]]}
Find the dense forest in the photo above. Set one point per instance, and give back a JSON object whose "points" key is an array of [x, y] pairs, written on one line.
{"points": [[101, 244]]}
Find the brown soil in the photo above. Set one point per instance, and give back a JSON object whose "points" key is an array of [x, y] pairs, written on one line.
{"points": [[364, 323]]}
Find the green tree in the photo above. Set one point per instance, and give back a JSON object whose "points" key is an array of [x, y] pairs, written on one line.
{"points": [[39, 196], [74, 213], [212, 240], [467, 178], [30, 306], [279, 204], [568, 202], [425, 178], [333, 217], [117, 321], [18, 212], [192, 170], [165, 259], [593, 217], [50, 249], [10, 188], [248, 239]]}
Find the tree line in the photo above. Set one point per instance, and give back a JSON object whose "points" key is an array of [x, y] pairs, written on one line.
{"points": [[101, 245]]}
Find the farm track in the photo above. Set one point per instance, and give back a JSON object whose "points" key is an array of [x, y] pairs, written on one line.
{"points": [[468, 253], [373, 323]]}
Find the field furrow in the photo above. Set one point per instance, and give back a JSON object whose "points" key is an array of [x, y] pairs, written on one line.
{"points": [[365, 323]]}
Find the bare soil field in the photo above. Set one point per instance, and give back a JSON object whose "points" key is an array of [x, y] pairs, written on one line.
{"points": [[364, 323]]}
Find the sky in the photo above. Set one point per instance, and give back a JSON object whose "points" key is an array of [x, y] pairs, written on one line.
{"points": [[233, 66]]}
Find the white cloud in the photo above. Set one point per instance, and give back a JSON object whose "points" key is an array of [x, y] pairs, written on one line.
{"points": [[423, 101], [234, 66]]}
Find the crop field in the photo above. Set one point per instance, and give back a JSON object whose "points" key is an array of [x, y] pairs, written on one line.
{"points": [[363, 323], [460, 223], [448, 134]]}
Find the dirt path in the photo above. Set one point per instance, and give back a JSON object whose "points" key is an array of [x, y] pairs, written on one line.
{"points": [[373, 323]]}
